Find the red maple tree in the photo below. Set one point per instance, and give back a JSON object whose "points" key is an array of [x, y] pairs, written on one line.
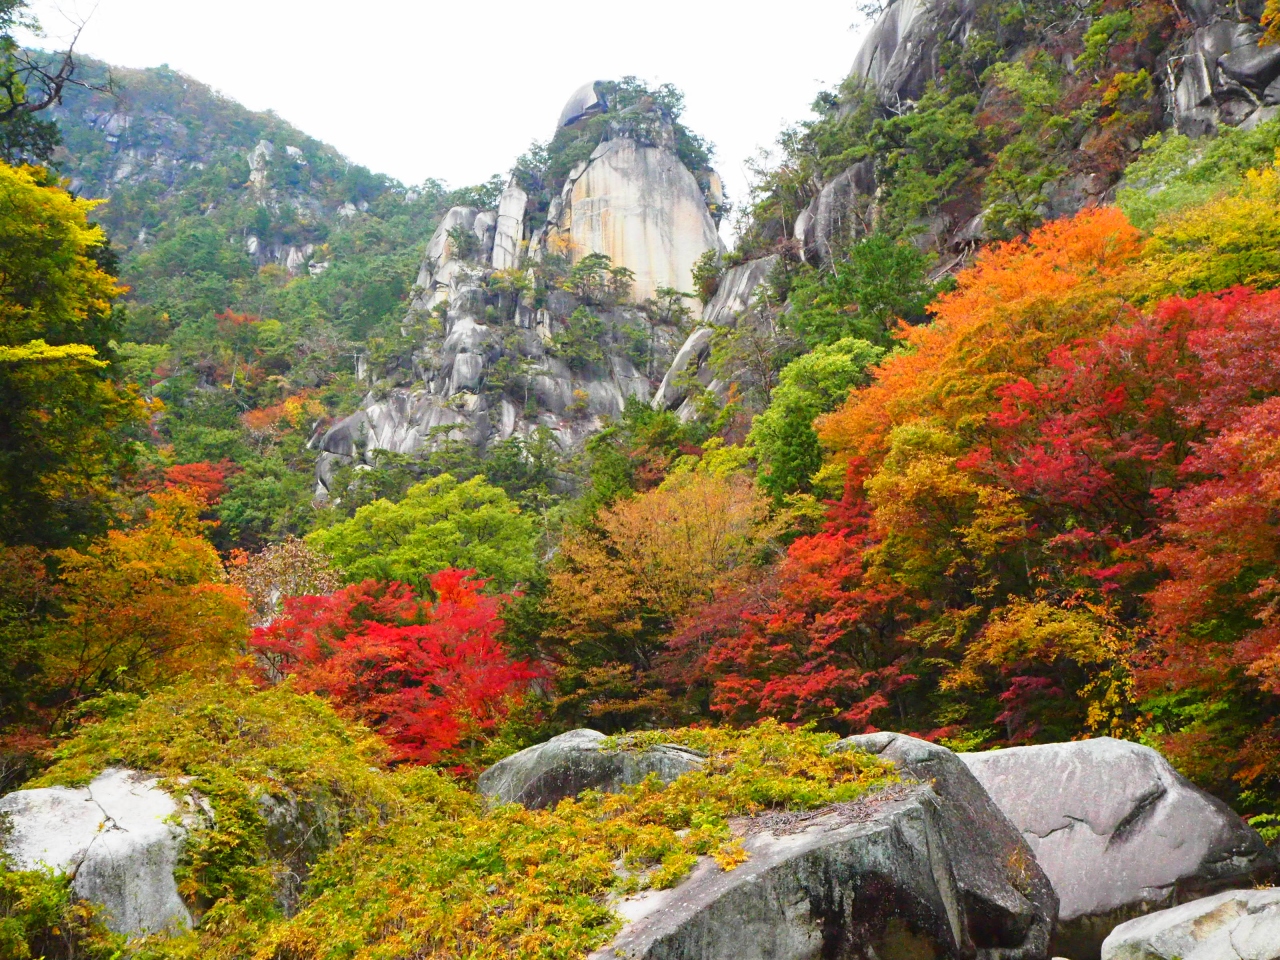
{"points": [[431, 676]]}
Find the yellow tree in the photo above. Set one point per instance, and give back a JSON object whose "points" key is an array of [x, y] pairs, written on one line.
{"points": [[619, 585], [143, 606], [62, 437]]}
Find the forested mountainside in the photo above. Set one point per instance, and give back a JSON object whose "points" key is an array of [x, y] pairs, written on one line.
{"points": [[320, 495]]}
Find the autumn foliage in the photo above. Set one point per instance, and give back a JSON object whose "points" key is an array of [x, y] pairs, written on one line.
{"points": [[206, 481], [1060, 519], [430, 675]]}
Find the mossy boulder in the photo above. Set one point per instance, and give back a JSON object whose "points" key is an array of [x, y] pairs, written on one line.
{"points": [[923, 868], [565, 766]]}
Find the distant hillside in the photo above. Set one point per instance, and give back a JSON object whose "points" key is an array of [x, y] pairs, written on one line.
{"points": [[203, 194]]}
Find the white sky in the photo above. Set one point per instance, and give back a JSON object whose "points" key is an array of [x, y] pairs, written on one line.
{"points": [[457, 89]]}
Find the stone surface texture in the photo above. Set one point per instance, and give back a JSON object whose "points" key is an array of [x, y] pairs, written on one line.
{"points": [[738, 291], [115, 837], [996, 872], [509, 231], [643, 208], [837, 215], [1236, 925], [564, 766], [695, 349], [900, 53], [1118, 831], [913, 873]]}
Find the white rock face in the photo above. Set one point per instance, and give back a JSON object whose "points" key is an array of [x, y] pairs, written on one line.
{"points": [[642, 208], [670, 392], [114, 837], [737, 291], [510, 228], [258, 160], [1237, 925]]}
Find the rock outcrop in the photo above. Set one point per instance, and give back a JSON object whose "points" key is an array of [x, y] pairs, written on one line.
{"points": [[923, 869], [1237, 925], [1224, 76], [870, 879], [738, 291], [838, 215], [1118, 831], [564, 766], [900, 54], [633, 200], [926, 868], [115, 837], [640, 206], [688, 359], [1211, 71], [735, 301]]}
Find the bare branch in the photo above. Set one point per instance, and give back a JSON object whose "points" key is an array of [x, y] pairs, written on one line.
{"points": [[26, 72]]}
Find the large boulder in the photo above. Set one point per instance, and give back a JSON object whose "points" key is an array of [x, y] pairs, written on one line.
{"points": [[564, 766], [884, 877], [1237, 925], [587, 101], [116, 838], [1118, 831], [1005, 893]]}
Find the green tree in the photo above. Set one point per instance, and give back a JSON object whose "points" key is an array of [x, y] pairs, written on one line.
{"points": [[882, 281], [440, 523], [268, 500], [579, 343], [783, 435]]}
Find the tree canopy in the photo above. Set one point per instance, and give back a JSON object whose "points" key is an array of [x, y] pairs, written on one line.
{"points": [[439, 524]]}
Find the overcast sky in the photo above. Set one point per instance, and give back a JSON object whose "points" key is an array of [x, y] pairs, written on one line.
{"points": [[457, 89]]}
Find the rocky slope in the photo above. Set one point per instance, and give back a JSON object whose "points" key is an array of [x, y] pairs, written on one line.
{"points": [[161, 145], [965, 121], [525, 321]]}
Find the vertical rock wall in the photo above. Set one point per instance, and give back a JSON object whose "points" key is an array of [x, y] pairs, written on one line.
{"points": [[643, 208]]}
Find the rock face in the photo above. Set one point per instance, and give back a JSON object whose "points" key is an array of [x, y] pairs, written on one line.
{"points": [[1118, 831], [640, 206], [113, 837], [564, 766], [734, 302], [586, 101], [510, 228], [837, 215], [915, 872], [1238, 925], [692, 352], [1224, 77], [900, 54], [1219, 75], [738, 291], [999, 881]]}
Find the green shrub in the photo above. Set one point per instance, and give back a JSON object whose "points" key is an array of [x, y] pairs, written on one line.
{"points": [[1176, 172], [40, 918]]}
